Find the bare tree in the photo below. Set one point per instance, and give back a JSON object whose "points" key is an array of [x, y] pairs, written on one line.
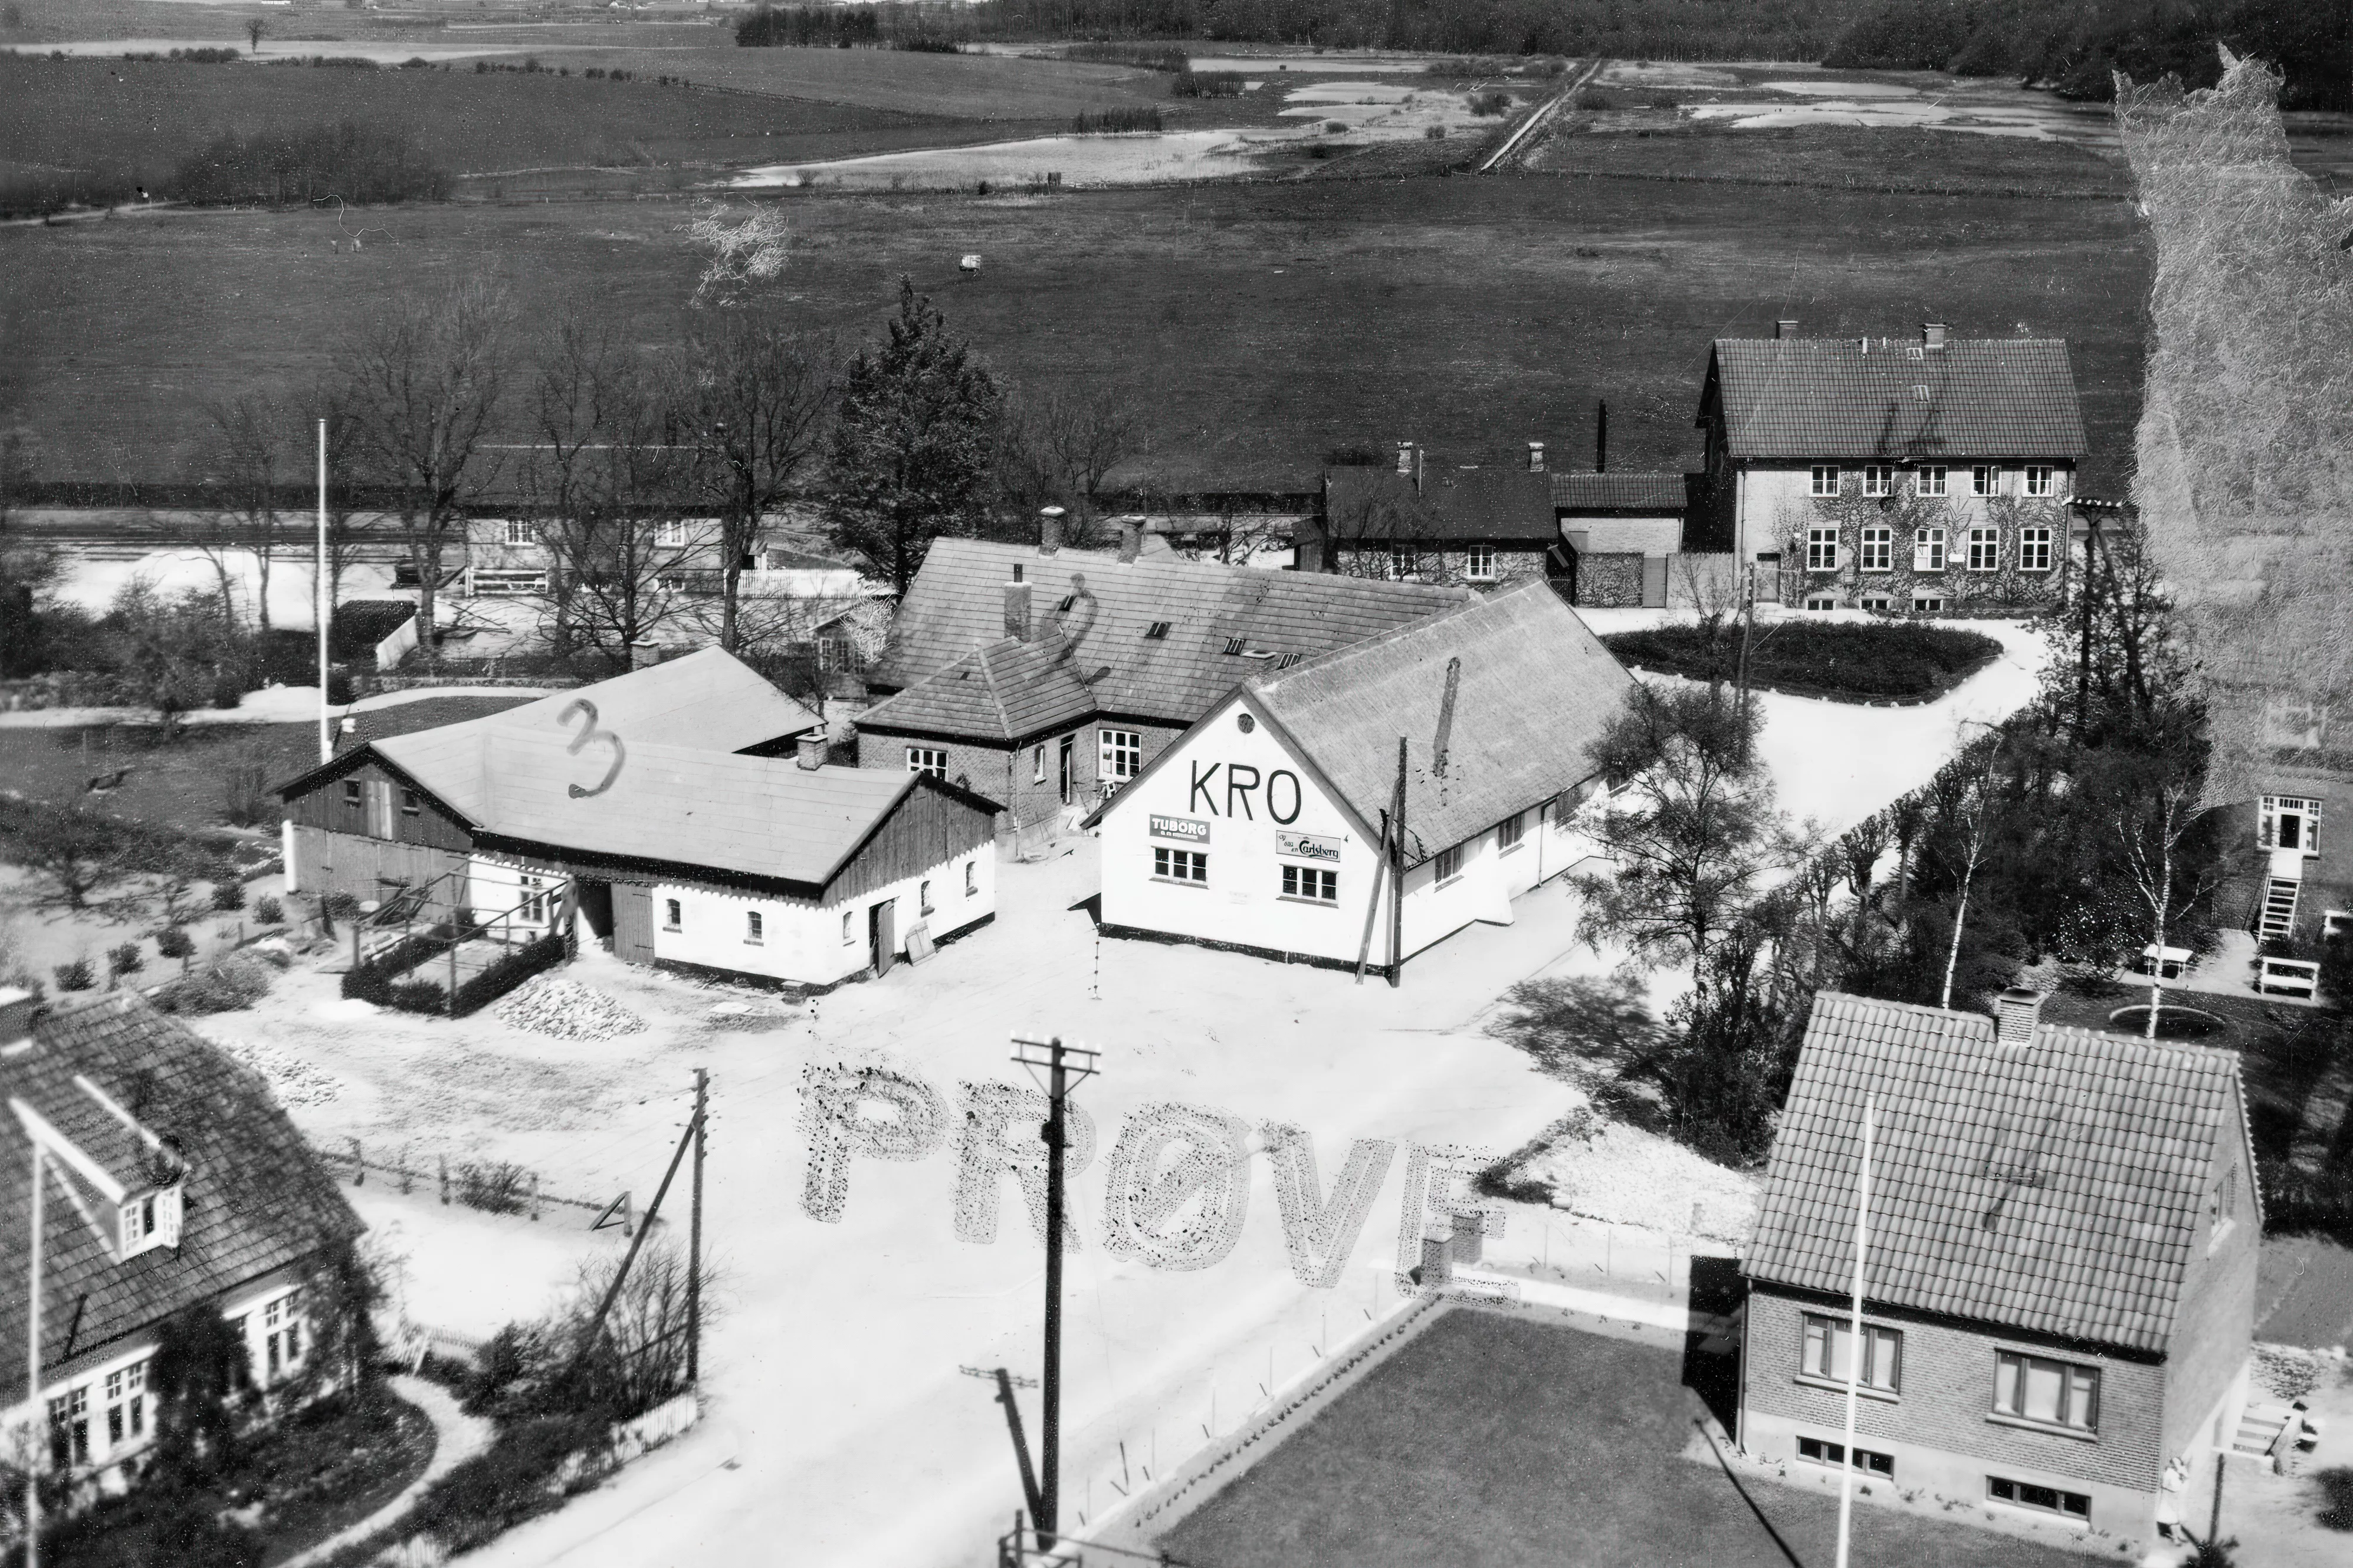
{"points": [[246, 453], [421, 386], [2156, 809], [254, 28], [1976, 818]]}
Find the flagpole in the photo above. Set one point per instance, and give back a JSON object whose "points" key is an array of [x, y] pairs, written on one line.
{"points": [[1855, 1344], [32, 1381], [326, 609]]}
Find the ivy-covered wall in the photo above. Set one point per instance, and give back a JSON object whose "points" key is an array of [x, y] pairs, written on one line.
{"points": [[1905, 514]]}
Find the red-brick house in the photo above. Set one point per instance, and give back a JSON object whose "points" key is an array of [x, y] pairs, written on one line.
{"points": [[2059, 1289], [172, 1180]]}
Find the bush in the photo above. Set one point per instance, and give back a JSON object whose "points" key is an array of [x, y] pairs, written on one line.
{"points": [[418, 996], [225, 985], [229, 896], [2336, 1485], [173, 942], [1208, 84], [1492, 102], [1832, 659], [343, 906], [125, 959], [76, 977], [506, 1484], [1433, 133], [1335, 128], [1117, 122], [268, 912], [494, 1186], [511, 970]]}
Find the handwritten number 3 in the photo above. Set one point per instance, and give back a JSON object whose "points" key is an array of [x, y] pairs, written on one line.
{"points": [[588, 731]]}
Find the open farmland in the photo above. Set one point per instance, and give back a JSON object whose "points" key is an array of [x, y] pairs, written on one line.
{"points": [[1272, 320]]}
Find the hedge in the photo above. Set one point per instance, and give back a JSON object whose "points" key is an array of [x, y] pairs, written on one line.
{"points": [[1904, 661], [380, 981]]}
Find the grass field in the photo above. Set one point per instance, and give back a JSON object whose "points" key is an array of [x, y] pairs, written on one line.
{"points": [[1262, 323]]}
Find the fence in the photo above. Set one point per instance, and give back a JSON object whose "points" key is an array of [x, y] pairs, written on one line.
{"points": [[491, 1187]]}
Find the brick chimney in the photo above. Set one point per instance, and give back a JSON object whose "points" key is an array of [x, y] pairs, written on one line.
{"points": [[2016, 1011], [17, 1008], [1049, 530], [814, 748], [1536, 458], [1932, 335], [1131, 539], [1787, 327], [1017, 610]]}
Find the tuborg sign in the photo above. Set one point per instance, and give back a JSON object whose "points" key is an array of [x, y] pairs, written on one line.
{"points": [[1185, 830]]}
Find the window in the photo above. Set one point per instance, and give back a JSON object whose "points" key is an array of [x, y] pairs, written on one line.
{"points": [[1825, 479], [670, 533], [2225, 1203], [409, 803], [1037, 764], [1878, 549], [1400, 563], [1878, 480], [2038, 482], [1927, 549], [1985, 550], [1509, 832], [520, 531], [1822, 550], [149, 1221], [1450, 865], [971, 879], [69, 1427], [848, 928], [1816, 1451], [1064, 607], [1156, 632], [2034, 549], [1822, 601], [1984, 478], [352, 793], [754, 928], [929, 760], [1928, 603], [2289, 821], [1830, 1350], [1877, 602], [2054, 1392], [1932, 481], [533, 908], [281, 1336], [924, 897], [1180, 865], [1479, 564], [2050, 1499], [1313, 883], [672, 915], [126, 1404], [1120, 753], [1233, 644]]}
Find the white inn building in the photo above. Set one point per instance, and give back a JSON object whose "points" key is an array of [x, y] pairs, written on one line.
{"points": [[1267, 827]]}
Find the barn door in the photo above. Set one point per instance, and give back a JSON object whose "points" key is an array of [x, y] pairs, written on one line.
{"points": [[882, 924], [1654, 581], [379, 808], [633, 923]]}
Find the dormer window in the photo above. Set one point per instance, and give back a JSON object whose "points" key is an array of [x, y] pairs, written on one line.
{"points": [[150, 1220]]}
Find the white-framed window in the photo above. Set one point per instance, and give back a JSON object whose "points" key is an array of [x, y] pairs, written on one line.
{"points": [[1985, 479], [1313, 883], [126, 1404], [2038, 480], [2054, 1392], [1877, 602], [1120, 753], [1479, 564], [2045, 1500], [1825, 479], [1822, 550], [848, 928], [1450, 865], [2288, 822], [755, 928], [1985, 550], [673, 917], [1822, 601], [1828, 1352], [522, 531], [1929, 604], [149, 1221], [1180, 865], [2034, 548], [532, 910], [282, 1337], [1932, 480], [69, 1427], [670, 533], [1400, 563], [1879, 549], [932, 760], [971, 879], [1927, 549], [1038, 764], [1510, 831], [1820, 1451], [1878, 480]]}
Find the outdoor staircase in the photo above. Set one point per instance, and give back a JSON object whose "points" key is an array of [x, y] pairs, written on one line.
{"points": [[2280, 891], [2260, 1430]]}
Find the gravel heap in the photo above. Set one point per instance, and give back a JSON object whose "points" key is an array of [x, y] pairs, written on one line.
{"points": [[568, 1010], [1624, 1176], [292, 1079]]}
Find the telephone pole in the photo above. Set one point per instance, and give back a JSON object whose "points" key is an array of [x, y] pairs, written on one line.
{"points": [[1748, 629], [694, 1238], [1066, 1068]]}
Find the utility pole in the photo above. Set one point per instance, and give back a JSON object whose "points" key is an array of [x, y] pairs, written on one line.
{"points": [[2083, 658], [1748, 630], [33, 1379], [1066, 1068], [1855, 1345], [694, 1238], [323, 593], [1397, 878]]}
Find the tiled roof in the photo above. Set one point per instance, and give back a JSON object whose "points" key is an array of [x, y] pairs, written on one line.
{"points": [[1537, 688], [1830, 397], [1450, 504], [957, 604], [1619, 492], [2058, 1186], [256, 1201], [1004, 691]]}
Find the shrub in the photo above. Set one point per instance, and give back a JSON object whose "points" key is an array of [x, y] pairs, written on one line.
{"points": [[75, 976], [229, 896], [1208, 84], [343, 906], [511, 970], [1335, 128], [1117, 122], [173, 942], [1819, 658], [1434, 133], [224, 985], [508, 1483], [125, 959], [2336, 1487], [494, 1186], [418, 996], [1492, 102], [1146, 55], [268, 912]]}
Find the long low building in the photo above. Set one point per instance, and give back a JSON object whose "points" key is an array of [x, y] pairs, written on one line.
{"points": [[1267, 827]]}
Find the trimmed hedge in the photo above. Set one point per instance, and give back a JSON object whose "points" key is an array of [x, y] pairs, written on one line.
{"points": [[1901, 661], [511, 971], [381, 982], [513, 1480]]}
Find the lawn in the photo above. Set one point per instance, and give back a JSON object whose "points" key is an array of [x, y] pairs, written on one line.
{"points": [[1259, 324], [1496, 1441], [1840, 661]]}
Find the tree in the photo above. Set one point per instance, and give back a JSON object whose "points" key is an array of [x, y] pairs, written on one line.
{"points": [[29, 572], [1690, 824], [254, 29], [912, 444], [70, 853], [170, 652], [2153, 796], [420, 389], [752, 394], [1064, 442], [345, 533], [1975, 824], [247, 454]]}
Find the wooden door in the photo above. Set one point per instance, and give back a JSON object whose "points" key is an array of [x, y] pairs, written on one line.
{"points": [[882, 924], [379, 808], [1063, 755], [1654, 581], [633, 923]]}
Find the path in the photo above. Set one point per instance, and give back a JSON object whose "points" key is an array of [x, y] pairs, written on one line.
{"points": [[276, 705], [1519, 138], [457, 1437]]}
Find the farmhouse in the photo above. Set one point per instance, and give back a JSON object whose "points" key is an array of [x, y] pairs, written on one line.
{"points": [[1420, 523], [1874, 473], [172, 1183], [2059, 1287], [1044, 677], [1621, 533], [1448, 756]]}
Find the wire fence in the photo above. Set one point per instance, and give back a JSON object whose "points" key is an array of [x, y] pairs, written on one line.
{"points": [[492, 1186]]}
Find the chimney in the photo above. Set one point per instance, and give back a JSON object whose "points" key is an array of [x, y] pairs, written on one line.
{"points": [[1602, 437], [1932, 335], [2015, 1013], [814, 748], [1536, 458], [1017, 610], [17, 1007], [1049, 530], [1787, 327], [644, 652], [1406, 464], [1131, 540]]}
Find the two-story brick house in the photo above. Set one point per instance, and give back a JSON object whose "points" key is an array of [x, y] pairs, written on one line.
{"points": [[1927, 476], [2059, 1286]]}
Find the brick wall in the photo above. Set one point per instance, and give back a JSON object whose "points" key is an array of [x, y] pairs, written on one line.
{"points": [[1449, 568], [2213, 1324], [1013, 778]]}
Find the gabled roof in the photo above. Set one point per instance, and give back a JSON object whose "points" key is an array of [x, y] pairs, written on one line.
{"points": [[957, 604], [2059, 1186], [1004, 693], [1619, 493], [1535, 690], [256, 1200], [1803, 398], [1467, 504]]}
